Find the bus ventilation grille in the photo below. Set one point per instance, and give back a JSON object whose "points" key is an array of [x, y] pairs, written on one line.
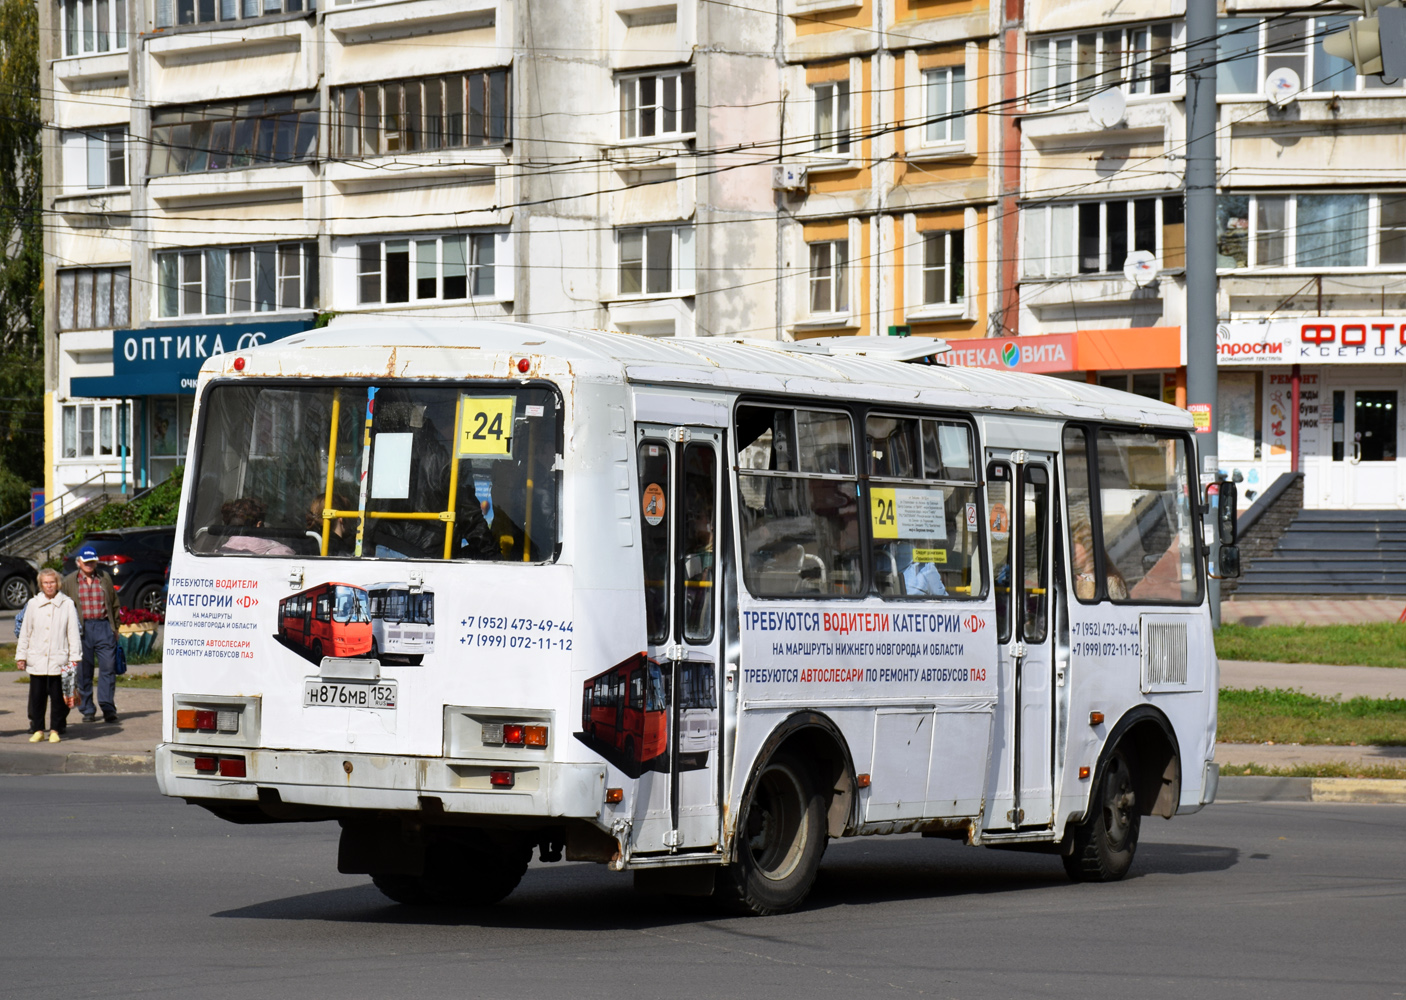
{"points": [[1164, 654]]}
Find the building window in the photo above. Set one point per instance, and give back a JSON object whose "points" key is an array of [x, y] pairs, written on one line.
{"points": [[656, 261], [1249, 49], [90, 26], [230, 135], [1095, 237], [107, 159], [657, 104], [945, 98], [1136, 60], [426, 269], [829, 277], [463, 110], [176, 12], [220, 281], [1312, 231], [94, 298], [96, 430], [944, 271], [831, 117]]}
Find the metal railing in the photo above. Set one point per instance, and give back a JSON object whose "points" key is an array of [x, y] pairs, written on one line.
{"points": [[15, 533]]}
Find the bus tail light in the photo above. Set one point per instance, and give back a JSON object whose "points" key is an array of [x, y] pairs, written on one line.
{"points": [[514, 734], [500, 779], [535, 736], [233, 767], [614, 796], [185, 718], [206, 719], [207, 765]]}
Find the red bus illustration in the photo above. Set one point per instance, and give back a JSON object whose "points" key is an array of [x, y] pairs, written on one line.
{"points": [[331, 619], [624, 714]]}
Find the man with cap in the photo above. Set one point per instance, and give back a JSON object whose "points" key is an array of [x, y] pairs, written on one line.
{"points": [[96, 599]]}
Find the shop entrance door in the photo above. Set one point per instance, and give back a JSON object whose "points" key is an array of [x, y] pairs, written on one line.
{"points": [[1366, 429]]}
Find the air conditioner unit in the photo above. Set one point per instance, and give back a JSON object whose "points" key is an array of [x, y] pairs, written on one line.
{"points": [[787, 177]]}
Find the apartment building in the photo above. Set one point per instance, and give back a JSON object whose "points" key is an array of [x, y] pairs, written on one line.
{"points": [[222, 173]]}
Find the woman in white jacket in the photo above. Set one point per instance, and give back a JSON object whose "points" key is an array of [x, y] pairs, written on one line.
{"points": [[49, 641]]}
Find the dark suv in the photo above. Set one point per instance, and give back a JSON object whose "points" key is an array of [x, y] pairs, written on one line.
{"points": [[16, 582], [137, 560]]}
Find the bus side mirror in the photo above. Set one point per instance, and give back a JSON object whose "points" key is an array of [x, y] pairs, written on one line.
{"points": [[1229, 563], [1226, 515]]}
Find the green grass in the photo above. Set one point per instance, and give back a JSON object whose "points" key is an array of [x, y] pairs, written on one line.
{"points": [[1264, 715], [1394, 771], [1380, 644]]}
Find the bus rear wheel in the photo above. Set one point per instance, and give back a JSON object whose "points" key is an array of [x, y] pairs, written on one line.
{"points": [[1101, 848], [460, 872], [781, 838]]}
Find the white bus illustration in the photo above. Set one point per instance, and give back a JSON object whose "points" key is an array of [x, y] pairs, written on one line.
{"points": [[402, 621]]}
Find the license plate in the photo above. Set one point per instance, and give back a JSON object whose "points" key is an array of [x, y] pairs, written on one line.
{"points": [[323, 694]]}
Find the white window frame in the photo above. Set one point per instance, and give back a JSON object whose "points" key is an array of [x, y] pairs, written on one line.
{"points": [[223, 12], [632, 106], [917, 145], [105, 428], [836, 141], [88, 158], [1050, 232], [915, 256], [840, 277], [680, 269], [486, 260], [1257, 42], [236, 267], [1054, 78], [115, 34], [1372, 234]]}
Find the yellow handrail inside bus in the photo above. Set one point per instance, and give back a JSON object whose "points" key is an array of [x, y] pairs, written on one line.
{"points": [[527, 518], [453, 477], [331, 469]]}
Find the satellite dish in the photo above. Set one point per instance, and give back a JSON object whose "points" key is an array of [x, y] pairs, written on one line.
{"points": [[1282, 86], [1140, 268], [1107, 107]]}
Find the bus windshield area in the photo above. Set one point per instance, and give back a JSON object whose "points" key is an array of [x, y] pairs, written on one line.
{"points": [[349, 604], [403, 470], [400, 605]]}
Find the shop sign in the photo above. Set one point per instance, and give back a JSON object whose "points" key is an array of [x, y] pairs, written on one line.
{"points": [[1050, 353], [1312, 341]]}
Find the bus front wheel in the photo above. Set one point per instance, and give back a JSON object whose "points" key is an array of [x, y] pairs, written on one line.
{"points": [[780, 840], [1101, 848]]}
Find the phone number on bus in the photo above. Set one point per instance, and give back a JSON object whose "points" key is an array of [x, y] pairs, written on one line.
{"points": [[502, 623], [517, 642]]}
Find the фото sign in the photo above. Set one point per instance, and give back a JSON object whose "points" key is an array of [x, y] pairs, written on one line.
{"points": [[1314, 340], [1051, 353]]}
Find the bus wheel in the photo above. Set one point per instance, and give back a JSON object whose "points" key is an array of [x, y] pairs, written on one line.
{"points": [[1101, 848], [460, 872], [317, 650], [781, 838], [409, 890]]}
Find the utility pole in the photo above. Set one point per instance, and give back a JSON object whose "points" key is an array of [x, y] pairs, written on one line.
{"points": [[1201, 293]]}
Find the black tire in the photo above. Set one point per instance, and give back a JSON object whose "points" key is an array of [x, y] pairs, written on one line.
{"points": [[15, 591], [465, 872], [1101, 848], [317, 650], [149, 599], [375, 649], [781, 838]]}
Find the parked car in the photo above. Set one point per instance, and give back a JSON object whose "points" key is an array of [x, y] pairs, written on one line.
{"points": [[137, 559], [16, 582]]}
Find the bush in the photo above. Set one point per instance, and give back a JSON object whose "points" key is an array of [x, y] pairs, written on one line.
{"points": [[14, 496], [157, 506]]}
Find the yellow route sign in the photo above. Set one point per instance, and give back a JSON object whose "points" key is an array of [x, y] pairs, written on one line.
{"points": [[882, 512], [486, 425]]}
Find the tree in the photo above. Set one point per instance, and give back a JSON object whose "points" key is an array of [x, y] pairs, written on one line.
{"points": [[21, 256]]}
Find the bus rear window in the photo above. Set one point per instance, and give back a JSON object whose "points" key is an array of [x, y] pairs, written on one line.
{"points": [[395, 471]]}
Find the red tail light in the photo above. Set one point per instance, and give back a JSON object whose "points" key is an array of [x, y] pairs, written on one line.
{"points": [[206, 719], [210, 764], [500, 779], [114, 560], [514, 734], [232, 767]]}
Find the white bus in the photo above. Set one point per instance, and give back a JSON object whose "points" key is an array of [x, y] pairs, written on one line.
{"points": [[402, 621], [734, 599]]}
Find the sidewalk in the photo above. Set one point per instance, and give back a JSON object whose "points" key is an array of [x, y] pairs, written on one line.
{"points": [[87, 747], [1282, 611]]}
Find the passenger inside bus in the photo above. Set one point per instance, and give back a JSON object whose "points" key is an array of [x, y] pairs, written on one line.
{"points": [[341, 536], [248, 512]]}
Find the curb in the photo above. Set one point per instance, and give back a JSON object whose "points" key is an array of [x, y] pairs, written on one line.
{"points": [[1262, 788], [78, 763]]}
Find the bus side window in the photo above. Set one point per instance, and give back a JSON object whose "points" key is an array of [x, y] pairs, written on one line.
{"points": [[998, 498], [324, 607], [1034, 539], [1076, 501], [656, 497]]}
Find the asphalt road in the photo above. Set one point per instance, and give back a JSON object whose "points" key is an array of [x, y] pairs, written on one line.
{"points": [[108, 890]]}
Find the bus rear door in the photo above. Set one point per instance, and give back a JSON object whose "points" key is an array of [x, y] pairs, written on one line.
{"points": [[680, 496], [1019, 498]]}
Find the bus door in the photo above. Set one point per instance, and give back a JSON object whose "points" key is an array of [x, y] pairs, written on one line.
{"points": [[680, 497], [1019, 507]]}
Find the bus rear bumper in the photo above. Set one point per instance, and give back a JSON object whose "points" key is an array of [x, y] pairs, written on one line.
{"points": [[342, 781]]}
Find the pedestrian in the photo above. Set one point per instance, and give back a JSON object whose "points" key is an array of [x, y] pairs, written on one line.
{"points": [[97, 607], [48, 643]]}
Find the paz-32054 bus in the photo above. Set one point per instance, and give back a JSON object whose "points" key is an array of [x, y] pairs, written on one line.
{"points": [[732, 600]]}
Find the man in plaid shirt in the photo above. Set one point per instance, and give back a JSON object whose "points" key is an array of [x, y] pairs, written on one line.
{"points": [[97, 607]]}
